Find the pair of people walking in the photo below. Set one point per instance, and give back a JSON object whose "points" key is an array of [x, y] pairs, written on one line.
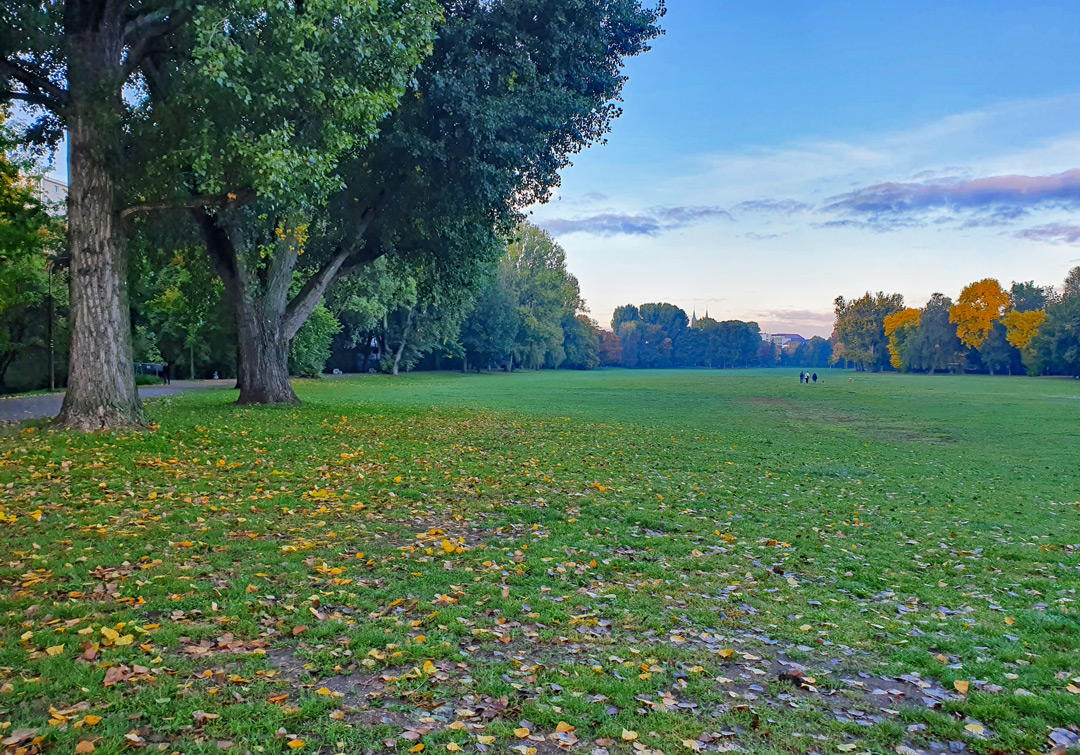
{"points": [[806, 377]]}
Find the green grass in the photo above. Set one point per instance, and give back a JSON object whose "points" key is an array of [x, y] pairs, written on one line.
{"points": [[630, 551]]}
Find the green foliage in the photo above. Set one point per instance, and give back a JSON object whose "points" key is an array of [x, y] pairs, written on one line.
{"points": [[144, 345], [490, 331], [1056, 347], [29, 242], [310, 349], [935, 345], [860, 329], [580, 342], [528, 309]]}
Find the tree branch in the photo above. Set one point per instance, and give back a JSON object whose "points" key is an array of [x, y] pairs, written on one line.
{"points": [[346, 257], [36, 84], [221, 251], [32, 99], [140, 33], [304, 303], [218, 200]]}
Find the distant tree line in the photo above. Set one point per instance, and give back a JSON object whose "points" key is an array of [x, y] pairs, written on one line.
{"points": [[661, 335], [1028, 329]]}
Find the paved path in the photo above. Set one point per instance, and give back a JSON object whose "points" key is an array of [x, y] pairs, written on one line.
{"points": [[44, 405]]}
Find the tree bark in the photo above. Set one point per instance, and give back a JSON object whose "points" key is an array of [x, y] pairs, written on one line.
{"points": [[264, 364], [262, 343], [404, 340], [101, 392]]}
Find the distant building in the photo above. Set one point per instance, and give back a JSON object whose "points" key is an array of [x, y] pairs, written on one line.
{"points": [[53, 194], [784, 339]]}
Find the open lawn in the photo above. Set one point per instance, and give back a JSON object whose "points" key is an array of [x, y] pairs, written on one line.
{"points": [[610, 561]]}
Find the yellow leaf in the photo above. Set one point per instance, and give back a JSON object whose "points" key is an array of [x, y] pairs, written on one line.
{"points": [[563, 728], [295, 744], [429, 667], [961, 686], [1074, 689], [127, 639], [55, 650], [726, 653], [110, 634], [92, 720], [398, 479], [629, 736], [84, 747], [486, 740], [453, 747], [975, 729], [521, 733], [324, 691], [419, 747], [1010, 620], [691, 744]]}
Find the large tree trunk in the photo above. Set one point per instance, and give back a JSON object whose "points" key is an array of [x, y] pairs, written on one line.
{"points": [[262, 338], [101, 391], [264, 361]]}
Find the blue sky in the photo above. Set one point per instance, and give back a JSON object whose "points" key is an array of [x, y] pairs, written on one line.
{"points": [[774, 155]]}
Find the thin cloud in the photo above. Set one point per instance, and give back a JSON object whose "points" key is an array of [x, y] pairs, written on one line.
{"points": [[1053, 234], [772, 206], [797, 315], [648, 223], [1000, 199]]}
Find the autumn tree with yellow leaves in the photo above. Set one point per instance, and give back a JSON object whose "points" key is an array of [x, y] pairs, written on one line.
{"points": [[898, 326], [981, 304]]}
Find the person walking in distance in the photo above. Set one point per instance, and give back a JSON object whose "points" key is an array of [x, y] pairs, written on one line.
{"points": [[815, 378], [165, 373]]}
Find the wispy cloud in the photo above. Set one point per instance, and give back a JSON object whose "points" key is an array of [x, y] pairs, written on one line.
{"points": [[772, 206], [646, 223], [797, 315], [1052, 233], [993, 200]]}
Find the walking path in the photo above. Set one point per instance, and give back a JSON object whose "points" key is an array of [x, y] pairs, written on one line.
{"points": [[45, 405]]}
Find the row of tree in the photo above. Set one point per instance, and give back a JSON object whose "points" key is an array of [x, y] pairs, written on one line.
{"points": [[660, 335], [295, 144], [1027, 328]]}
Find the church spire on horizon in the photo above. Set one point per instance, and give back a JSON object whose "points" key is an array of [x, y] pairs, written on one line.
{"points": [[693, 318]]}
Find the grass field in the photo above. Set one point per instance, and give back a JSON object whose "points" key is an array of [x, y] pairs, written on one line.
{"points": [[595, 562]]}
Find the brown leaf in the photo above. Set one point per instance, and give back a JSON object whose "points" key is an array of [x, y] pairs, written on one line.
{"points": [[116, 674]]}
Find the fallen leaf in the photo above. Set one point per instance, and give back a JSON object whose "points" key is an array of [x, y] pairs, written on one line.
{"points": [[629, 736], [961, 686], [84, 747]]}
